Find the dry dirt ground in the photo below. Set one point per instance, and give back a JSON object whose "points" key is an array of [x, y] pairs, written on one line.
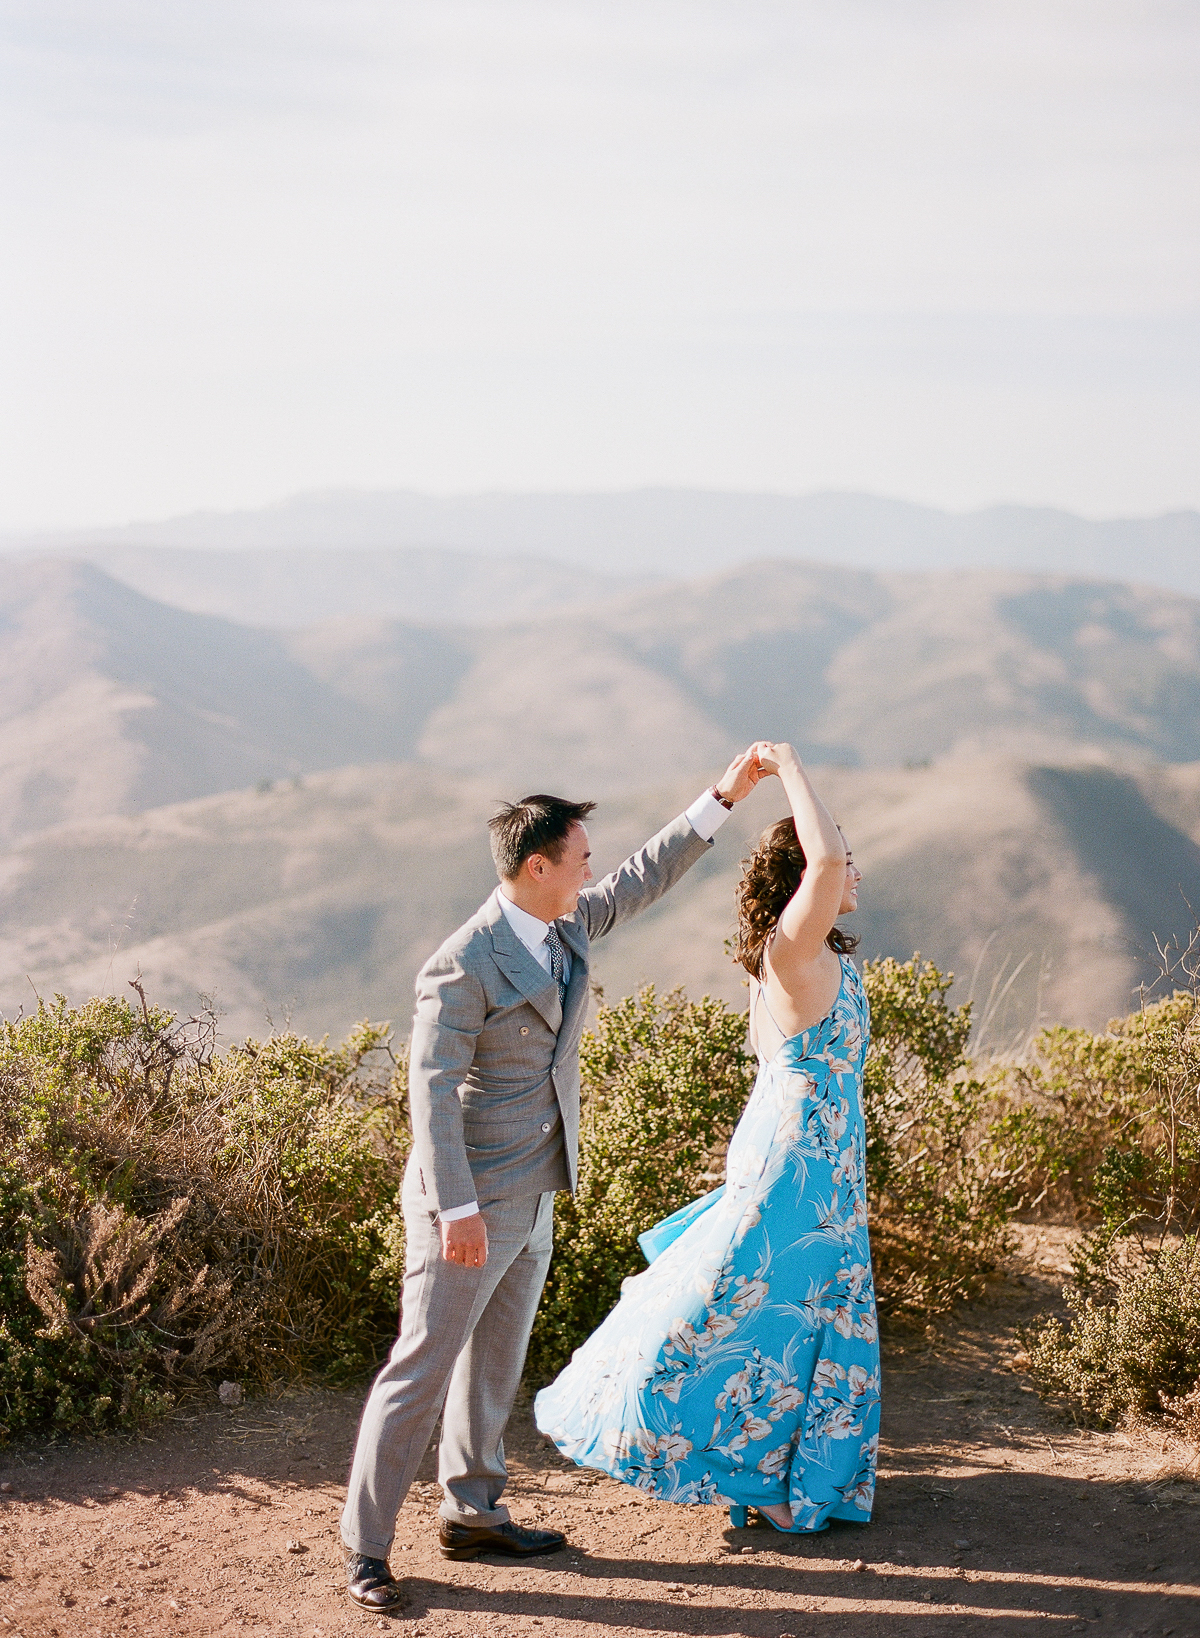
{"points": [[993, 1516]]}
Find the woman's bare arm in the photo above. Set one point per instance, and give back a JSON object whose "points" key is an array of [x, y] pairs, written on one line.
{"points": [[810, 913]]}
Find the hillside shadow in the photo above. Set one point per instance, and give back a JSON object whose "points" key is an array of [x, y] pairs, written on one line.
{"points": [[1111, 828], [1118, 681]]}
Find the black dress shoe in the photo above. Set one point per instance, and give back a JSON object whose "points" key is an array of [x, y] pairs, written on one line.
{"points": [[467, 1541], [372, 1586]]}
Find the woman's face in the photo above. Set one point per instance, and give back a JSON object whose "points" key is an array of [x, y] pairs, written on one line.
{"points": [[850, 889]]}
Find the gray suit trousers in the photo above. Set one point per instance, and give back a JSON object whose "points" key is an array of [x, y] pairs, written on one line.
{"points": [[462, 1342]]}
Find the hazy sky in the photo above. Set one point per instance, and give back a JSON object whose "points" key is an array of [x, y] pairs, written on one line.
{"points": [[932, 248]]}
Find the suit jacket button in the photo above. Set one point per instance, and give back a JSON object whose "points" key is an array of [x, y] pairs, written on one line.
{"points": [[524, 1029], [545, 1126]]}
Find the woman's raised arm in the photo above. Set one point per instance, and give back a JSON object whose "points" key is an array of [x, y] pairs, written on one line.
{"points": [[813, 908]]}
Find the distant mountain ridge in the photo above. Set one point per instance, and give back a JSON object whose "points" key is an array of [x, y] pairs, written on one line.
{"points": [[290, 588], [673, 533]]}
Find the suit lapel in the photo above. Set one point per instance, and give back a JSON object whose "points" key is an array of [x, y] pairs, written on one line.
{"points": [[520, 968]]}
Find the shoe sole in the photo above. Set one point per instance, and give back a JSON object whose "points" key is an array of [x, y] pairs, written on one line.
{"points": [[505, 1552]]}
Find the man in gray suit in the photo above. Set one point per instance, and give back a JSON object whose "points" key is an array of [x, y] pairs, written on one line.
{"points": [[494, 1094]]}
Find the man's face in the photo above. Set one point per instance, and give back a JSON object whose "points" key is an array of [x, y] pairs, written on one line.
{"points": [[563, 878]]}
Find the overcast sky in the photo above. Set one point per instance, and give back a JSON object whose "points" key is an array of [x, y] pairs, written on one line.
{"points": [[931, 248]]}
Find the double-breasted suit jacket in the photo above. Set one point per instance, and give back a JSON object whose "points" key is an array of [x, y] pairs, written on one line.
{"points": [[494, 1066]]}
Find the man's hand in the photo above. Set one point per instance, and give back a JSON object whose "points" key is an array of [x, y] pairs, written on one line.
{"points": [[465, 1241], [741, 776]]}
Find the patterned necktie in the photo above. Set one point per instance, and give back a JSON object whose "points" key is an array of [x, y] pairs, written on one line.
{"points": [[554, 945]]}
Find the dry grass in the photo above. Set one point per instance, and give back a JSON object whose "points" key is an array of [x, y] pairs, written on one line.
{"points": [[174, 1210]]}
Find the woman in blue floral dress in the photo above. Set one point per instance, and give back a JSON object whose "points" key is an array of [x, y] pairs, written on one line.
{"points": [[742, 1367]]}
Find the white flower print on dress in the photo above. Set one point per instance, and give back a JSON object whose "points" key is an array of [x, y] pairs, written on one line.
{"points": [[622, 1442], [838, 1066], [785, 1398], [795, 1089], [851, 1034], [846, 1170], [827, 1373], [720, 1326], [681, 1334], [833, 1118], [839, 1423], [857, 1380], [673, 1447], [737, 1389], [776, 1461], [856, 1278], [747, 1294]]}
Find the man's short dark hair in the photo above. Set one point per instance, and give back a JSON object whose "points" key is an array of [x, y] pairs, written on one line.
{"points": [[535, 824]]}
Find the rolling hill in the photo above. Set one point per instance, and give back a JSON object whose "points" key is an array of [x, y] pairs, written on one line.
{"points": [[112, 703], [316, 902], [863, 669], [292, 820]]}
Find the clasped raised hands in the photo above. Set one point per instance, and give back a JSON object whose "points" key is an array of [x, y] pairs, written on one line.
{"points": [[773, 758], [740, 777]]}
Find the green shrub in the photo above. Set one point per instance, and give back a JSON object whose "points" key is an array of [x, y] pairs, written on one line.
{"points": [[1138, 1352], [1108, 1124], [664, 1080], [939, 1188], [168, 1211], [1115, 1118]]}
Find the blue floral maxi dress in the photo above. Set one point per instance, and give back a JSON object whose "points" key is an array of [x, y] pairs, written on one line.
{"points": [[743, 1365]]}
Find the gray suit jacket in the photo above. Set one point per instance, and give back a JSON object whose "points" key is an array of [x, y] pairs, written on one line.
{"points": [[494, 1068]]}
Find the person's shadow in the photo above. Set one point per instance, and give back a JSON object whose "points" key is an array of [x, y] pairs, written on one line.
{"points": [[1055, 1554]]}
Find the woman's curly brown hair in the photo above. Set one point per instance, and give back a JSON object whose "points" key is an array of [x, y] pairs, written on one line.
{"points": [[769, 878]]}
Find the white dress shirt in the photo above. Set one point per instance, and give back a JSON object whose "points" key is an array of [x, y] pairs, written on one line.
{"points": [[706, 816], [532, 930]]}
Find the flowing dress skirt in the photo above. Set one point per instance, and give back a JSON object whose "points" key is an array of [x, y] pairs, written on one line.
{"points": [[743, 1365]]}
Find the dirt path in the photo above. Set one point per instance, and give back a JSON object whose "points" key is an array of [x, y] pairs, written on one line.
{"points": [[992, 1517]]}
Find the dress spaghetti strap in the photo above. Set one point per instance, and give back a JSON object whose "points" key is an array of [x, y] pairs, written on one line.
{"points": [[760, 993], [767, 1007], [762, 988]]}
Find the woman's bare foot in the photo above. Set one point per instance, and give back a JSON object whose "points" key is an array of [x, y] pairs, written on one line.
{"points": [[779, 1514]]}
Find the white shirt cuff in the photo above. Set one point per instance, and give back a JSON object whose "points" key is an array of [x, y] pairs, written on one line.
{"points": [[456, 1213], [706, 816]]}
